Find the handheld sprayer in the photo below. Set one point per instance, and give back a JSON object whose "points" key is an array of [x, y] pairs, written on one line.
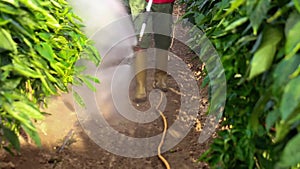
{"points": [[148, 9]]}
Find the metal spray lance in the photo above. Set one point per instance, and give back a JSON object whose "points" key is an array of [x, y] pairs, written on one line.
{"points": [[148, 8]]}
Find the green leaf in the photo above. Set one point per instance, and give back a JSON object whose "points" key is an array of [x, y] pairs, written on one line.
{"points": [[296, 72], [292, 34], [79, 69], [283, 71], [78, 99], [61, 40], [234, 5], [7, 43], [87, 82], [57, 68], [271, 119], [45, 36], [11, 137], [56, 4], [246, 39], [12, 2], [7, 107], [50, 76], [3, 21], [291, 98], [23, 30], [205, 155], [46, 51], [258, 14], [51, 21], [199, 19], [22, 70], [29, 110], [280, 12], [92, 78], [8, 9], [264, 56], [11, 84], [61, 86], [258, 110], [48, 86], [297, 4], [205, 82], [291, 153], [282, 129], [236, 23], [32, 134]]}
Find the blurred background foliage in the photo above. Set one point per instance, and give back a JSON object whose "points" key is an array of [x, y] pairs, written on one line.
{"points": [[258, 42], [40, 42]]}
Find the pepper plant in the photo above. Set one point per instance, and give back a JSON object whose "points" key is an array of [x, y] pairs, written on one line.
{"points": [[259, 45], [40, 42]]}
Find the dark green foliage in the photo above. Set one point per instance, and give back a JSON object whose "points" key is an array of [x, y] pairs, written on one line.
{"points": [[258, 42], [40, 42]]}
